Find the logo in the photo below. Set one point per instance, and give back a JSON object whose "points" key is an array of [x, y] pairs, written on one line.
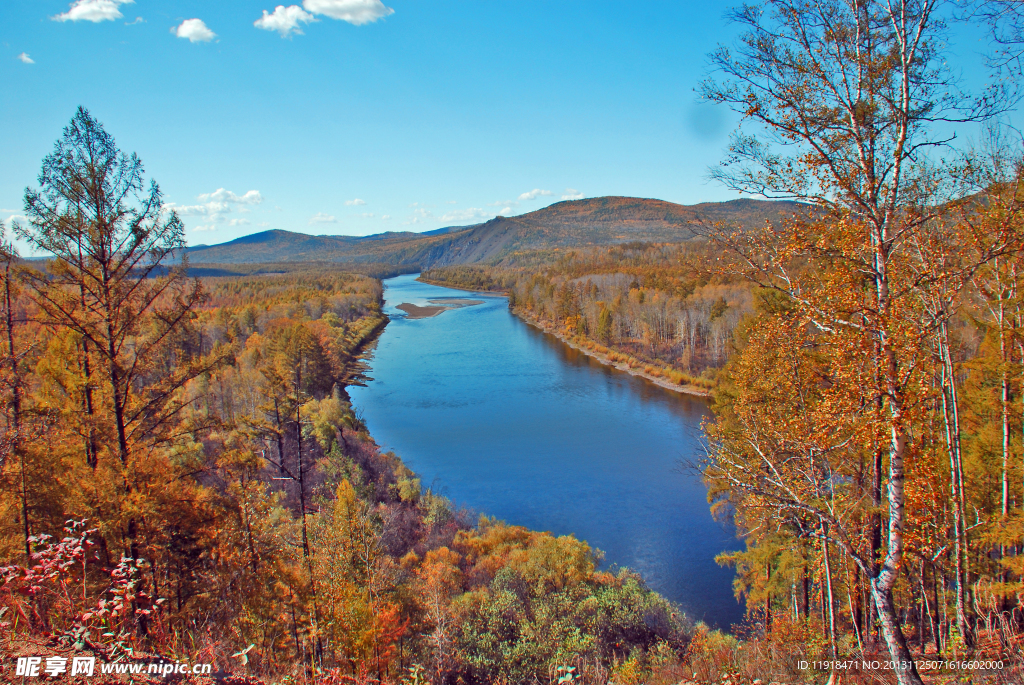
{"points": [[53, 666], [36, 666]]}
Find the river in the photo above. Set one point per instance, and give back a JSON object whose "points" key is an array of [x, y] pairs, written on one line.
{"points": [[509, 421]]}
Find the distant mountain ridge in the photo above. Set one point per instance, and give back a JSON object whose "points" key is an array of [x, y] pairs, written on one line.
{"points": [[562, 225]]}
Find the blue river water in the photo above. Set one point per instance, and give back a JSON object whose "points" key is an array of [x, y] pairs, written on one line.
{"points": [[510, 422]]}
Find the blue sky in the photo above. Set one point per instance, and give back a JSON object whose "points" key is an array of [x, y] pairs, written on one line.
{"points": [[401, 115]]}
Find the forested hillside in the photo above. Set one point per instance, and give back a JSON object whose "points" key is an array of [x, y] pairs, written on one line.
{"points": [[184, 478], [502, 240]]}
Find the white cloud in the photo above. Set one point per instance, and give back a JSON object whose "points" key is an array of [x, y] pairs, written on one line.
{"points": [[385, 217], [208, 209], [572, 194], [210, 227], [367, 215], [356, 202], [503, 203], [20, 218], [419, 215], [25, 58], [356, 12], [452, 202], [505, 212], [533, 194], [465, 214], [215, 205], [252, 197], [263, 224], [93, 10], [284, 20], [195, 30], [321, 218], [138, 20]]}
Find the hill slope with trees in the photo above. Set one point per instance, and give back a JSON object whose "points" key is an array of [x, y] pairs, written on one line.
{"points": [[183, 479], [563, 225]]}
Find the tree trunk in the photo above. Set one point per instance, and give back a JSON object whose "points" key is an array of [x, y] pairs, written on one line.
{"points": [[936, 623], [317, 645], [1004, 373], [1005, 401], [831, 598], [14, 410], [876, 503], [805, 599], [91, 450], [883, 583], [951, 417], [905, 669]]}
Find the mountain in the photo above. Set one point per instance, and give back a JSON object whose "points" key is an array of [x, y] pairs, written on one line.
{"points": [[570, 224]]}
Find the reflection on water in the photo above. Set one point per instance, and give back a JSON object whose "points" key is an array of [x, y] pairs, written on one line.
{"points": [[508, 421]]}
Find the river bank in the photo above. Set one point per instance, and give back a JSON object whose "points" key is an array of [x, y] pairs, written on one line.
{"points": [[623, 362], [603, 355], [442, 284]]}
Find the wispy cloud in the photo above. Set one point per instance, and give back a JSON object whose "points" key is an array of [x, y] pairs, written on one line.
{"points": [[385, 217], [419, 215], [25, 58], [206, 209], [138, 20], [321, 218], [19, 218], [468, 214], [284, 20], [534, 194], [356, 12], [355, 203], [367, 215], [572, 194], [195, 30], [215, 205], [251, 197], [93, 10], [209, 227]]}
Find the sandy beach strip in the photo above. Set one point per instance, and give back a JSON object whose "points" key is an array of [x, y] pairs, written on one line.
{"points": [[416, 312]]}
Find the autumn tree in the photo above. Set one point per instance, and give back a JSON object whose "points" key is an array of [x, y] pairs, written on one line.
{"points": [[843, 96], [112, 282], [12, 382]]}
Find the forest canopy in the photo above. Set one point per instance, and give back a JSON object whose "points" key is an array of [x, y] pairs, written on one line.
{"points": [[183, 475]]}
